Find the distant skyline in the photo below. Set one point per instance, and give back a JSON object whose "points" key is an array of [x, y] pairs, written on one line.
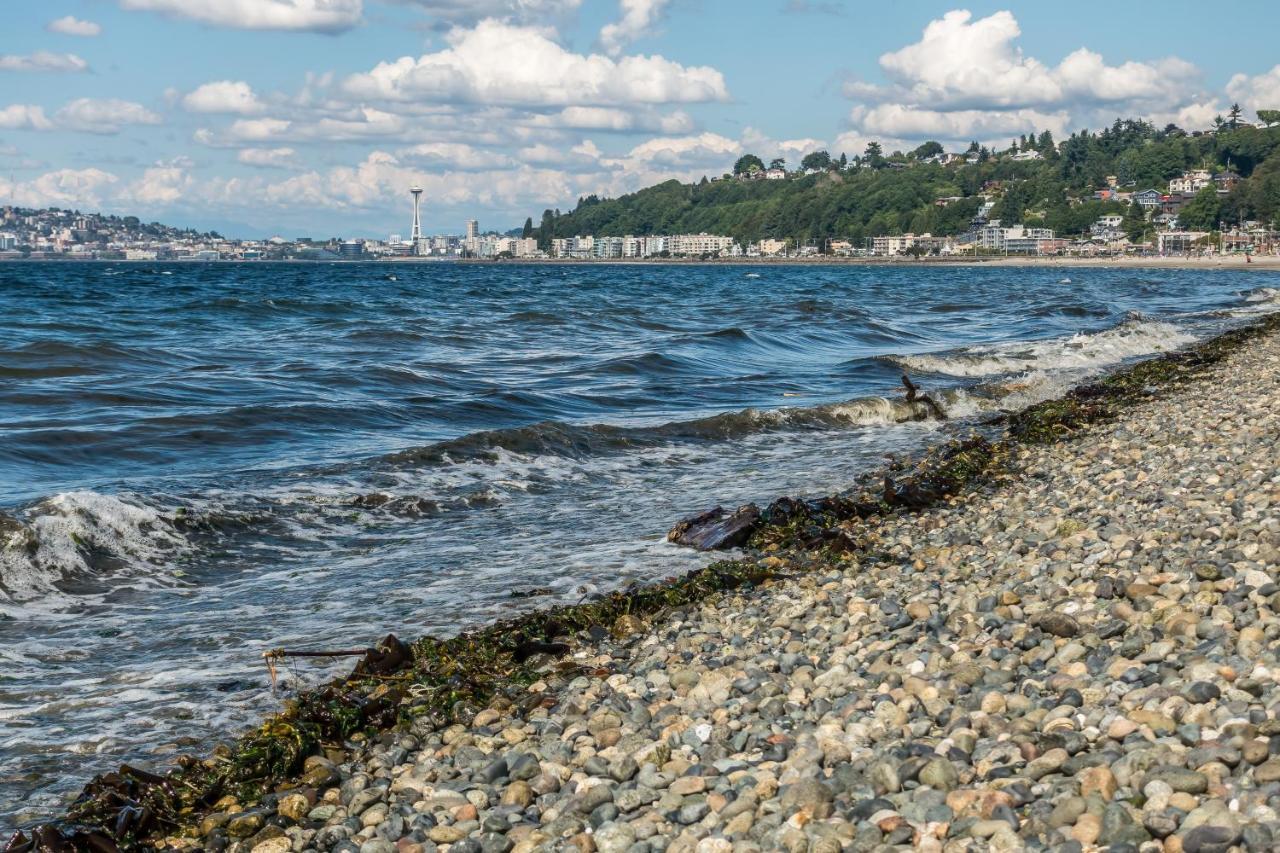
{"points": [[314, 117]]}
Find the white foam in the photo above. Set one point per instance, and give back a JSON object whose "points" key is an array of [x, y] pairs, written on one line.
{"points": [[61, 532], [1079, 352]]}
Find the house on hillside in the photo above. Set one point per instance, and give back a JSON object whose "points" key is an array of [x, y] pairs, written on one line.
{"points": [[1148, 199], [1191, 182]]}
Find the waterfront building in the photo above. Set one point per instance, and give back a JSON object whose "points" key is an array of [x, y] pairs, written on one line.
{"points": [[473, 229]]}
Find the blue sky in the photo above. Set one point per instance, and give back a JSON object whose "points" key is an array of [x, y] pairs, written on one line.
{"points": [[313, 116]]}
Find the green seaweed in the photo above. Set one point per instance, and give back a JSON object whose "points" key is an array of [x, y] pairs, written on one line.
{"points": [[449, 679]]}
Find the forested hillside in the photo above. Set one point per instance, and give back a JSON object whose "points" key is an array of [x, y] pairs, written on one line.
{"points": [[873, 194]]}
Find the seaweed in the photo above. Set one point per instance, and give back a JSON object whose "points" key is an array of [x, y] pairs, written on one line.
{"points": [[436, 681]]}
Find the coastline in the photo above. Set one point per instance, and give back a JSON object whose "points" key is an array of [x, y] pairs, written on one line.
{"points": [[1210, 262], [483, 667]]}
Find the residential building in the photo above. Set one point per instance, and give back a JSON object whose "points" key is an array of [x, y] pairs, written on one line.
{"points": [[1191, 182], [1148, 199], [775, 174], [772, 248], [473, 229], [698, 245], [607, 248], [8, 242], [1179, 242]]}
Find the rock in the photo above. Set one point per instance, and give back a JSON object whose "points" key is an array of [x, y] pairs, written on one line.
{"points": [[809, 796], [716, 529], [1180, 779], [1267, 772], [615, 838], [1058, 624], [1097, 780], [940, 774], [294, 807]]}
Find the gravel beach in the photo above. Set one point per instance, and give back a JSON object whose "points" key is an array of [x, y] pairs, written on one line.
{"points": [[1081, 655]]}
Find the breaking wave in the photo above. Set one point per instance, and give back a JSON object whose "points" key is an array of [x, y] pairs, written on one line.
{"points": [[79, 534], [1085, 351]]}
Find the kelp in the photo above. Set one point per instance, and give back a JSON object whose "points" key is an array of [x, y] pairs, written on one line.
{"points": [[436, 681]]}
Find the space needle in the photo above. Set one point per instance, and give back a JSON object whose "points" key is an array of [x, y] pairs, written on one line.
{"points": [[415, 235]]}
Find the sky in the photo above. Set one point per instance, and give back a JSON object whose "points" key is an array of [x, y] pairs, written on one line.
{"points": [[313, 117]]}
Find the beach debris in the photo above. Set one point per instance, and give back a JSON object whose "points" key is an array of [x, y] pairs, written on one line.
{"points": [[914, 396], [717, 529]]}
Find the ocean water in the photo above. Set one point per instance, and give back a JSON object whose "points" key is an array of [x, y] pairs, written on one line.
{"points": [[202, 462]]}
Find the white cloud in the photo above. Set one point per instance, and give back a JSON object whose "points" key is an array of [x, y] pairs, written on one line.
{"points": [[617, 120], [259, 129], [43, 61], [24, 117], [102, 116], [468, 12], [162, 184], [961, 63], [268, 158], [638, 18], [1261, 92], [456, 155], [968, 79], [329, 16], [703, 149], [918, 123], [73, 26], [61, 188], [584, 155], [499, 63], [223, 96]]}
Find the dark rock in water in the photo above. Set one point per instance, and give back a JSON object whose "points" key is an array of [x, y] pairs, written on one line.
{"points": [[716, 529], [532, 592]]}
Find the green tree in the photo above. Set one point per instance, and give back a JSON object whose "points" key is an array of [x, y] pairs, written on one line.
{"points": [[527, 231], [748, 163], [778, 163], [819, 160], [1233, 116], [874, 155], [1269, 117], [1202, 212], [1134, 223], [547, 231], [927, 150]]}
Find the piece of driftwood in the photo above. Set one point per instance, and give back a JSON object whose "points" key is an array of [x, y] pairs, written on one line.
{"points": [[914, 396]]}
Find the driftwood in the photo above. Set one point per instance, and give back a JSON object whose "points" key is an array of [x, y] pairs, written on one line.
{"points": [[914, 396], [388, 656]]}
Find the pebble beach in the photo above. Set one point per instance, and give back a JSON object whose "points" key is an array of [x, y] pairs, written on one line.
{"points": [[1078, 656]]}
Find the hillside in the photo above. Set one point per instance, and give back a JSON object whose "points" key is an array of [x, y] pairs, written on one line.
{"points": [[875, 194]]}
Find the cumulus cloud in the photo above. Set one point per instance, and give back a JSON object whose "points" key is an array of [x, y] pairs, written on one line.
{"points": [[325, 16], [455, 155], [702, 149], [616, 120], [61, 188], [223, 96], [1260, 92], [638, 18], [268, 158], [24, 117], [161, 185], [73, 26], [968, 78], [450, 13], [43, 61], [501, 63], [105, 116]]}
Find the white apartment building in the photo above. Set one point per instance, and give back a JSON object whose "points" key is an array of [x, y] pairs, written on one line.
{"points": [[8, 242], [607, 248], [892, 244], [1016, 239], [700, 244]]}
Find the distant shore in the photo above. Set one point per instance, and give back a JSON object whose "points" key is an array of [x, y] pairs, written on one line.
{"points": [[1256, 262]]}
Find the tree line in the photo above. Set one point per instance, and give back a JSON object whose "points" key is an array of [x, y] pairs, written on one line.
{"points": [[872, 193]]}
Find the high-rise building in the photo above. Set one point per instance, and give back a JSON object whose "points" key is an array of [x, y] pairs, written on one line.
{"points": [[415, 235], [473, 229]]}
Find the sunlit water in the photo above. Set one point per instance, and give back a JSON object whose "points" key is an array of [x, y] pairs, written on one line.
{"points": [[198, 463]]}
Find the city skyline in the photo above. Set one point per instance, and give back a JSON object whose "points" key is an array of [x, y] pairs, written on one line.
{"points": [[513, 107]]}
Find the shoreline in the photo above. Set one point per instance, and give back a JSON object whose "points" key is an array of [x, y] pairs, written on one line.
{"points": [[455, 679], [1225, 262]]}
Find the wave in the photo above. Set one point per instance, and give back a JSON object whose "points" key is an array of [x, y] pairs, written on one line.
{"points": [[1263, 294], [1082, 351], [78, 534]]}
